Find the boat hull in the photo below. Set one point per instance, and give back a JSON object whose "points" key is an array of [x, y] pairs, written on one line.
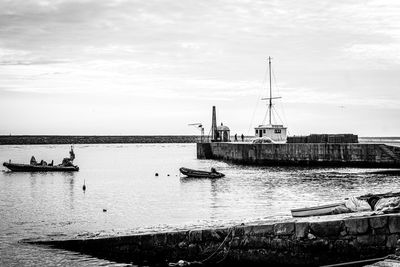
{"points": [[200, 174], [316, 210], [15, 167]]}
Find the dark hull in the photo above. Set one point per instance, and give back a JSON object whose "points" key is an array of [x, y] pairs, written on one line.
{"points": [[200, 174], [37, 168]]}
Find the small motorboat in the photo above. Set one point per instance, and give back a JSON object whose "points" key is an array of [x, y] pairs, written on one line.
{"points": [[201, 174], [16, 167], [317, 210], [66, 165]]}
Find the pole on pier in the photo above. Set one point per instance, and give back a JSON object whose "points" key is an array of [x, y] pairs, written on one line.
{"points": [[214, 125], [270, 91]]}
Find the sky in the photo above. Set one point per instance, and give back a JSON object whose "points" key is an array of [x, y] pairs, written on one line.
{"points": [[128, 67]]}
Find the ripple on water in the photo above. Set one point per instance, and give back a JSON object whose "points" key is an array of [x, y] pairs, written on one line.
{"points": [[120, 179]]}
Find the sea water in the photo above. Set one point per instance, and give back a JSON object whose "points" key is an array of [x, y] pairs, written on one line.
{"points": [[124, 196]]}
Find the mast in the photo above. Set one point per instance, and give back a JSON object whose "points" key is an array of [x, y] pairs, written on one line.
{"points": [[270, 91]]}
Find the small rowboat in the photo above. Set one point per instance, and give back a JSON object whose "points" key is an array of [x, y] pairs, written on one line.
{"points": [[316, 210], [200, 174], [39, 168]]}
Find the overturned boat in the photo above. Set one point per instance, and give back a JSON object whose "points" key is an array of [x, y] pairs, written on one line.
{"points": [[201, 174], [66, 165]]}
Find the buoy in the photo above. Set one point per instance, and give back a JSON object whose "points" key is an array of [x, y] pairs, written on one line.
{"points": [[104, 210], [156, 174], [84, 186], [167, 174]]}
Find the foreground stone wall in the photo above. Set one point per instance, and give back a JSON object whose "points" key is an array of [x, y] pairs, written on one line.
{"points": [[306, 243], [86, 139], [363, 155]]}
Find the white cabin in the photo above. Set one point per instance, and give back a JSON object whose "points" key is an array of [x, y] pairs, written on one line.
{"points": [[277, 133]]}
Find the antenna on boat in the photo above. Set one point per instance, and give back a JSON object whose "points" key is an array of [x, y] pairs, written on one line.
{"points": [[270, 93]]}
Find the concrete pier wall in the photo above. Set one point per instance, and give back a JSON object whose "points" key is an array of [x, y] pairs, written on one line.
{"points": [[305, 243], [319, 154]]}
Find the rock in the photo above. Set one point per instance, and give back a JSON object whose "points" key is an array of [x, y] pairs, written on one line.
{"points": [[378, 221], [311, 236], [357, 226], [394, 224], [392, 240], [160, 239], [193, 250], [248, 230], [284, 228], [302, 229], [195, 236], [371, 240], [328, 228], [182, 245], [267, 229]]}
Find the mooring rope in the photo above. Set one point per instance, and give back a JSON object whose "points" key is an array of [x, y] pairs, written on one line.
{"points": [[187, 263]]}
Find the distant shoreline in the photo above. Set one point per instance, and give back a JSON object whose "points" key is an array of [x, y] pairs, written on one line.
{"points": [[123, 139], [94, 139]]}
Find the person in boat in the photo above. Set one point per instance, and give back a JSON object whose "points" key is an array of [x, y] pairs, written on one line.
{"points": [[33, 161], [213, 170], [242, 136], [69, 161], [236, 138]]}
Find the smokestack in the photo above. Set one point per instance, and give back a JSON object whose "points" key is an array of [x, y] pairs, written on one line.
{"points": [[214, 125]]}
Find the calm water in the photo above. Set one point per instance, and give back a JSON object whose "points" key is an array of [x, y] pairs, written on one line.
{"points": [[121, 179]]}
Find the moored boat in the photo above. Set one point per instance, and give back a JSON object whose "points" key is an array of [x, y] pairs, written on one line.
{"points": [[16, 167], [201, 174], [316, 210], [66, 165]]}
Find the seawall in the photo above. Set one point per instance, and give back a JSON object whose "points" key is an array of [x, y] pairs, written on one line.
{"points": [[94, 139], [308, 154], [310, 242]]}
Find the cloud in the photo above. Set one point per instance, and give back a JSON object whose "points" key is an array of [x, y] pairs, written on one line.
{"points": [[202, 50]]}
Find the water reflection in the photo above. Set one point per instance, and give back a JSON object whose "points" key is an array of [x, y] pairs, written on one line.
{"points": [[54, 205]]}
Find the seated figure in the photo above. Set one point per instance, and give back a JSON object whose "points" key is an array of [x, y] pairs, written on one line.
{"points": [[33, 161]]}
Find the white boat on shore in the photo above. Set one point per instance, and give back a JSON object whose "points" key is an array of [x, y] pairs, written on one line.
{"points": [[317, 210]]}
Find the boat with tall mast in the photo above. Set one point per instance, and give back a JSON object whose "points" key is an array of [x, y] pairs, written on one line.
{"points": [[274, 132]]}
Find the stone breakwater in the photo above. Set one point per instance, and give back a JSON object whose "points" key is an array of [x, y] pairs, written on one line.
{"points": [[94, 139], [310, 242], [308, 154]]}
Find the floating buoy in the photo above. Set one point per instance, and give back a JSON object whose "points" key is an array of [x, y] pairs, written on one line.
{"points": [[84, 186], [104, 210], [156, 174], [167, 174]]}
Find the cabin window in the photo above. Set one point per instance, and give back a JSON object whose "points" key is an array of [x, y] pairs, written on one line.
{"points": [[264, 131], [256, 131], [277, 131]]}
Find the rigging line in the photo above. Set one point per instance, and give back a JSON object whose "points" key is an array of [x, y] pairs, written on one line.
{"points": [[280, 102], [276, 113], [258, 100], [265, 118]]}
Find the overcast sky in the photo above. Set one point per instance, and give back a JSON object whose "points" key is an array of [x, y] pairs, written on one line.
{"points": [[152, 67]]}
